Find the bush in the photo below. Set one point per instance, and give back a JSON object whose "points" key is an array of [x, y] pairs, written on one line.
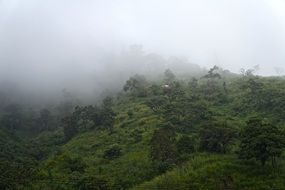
{"points": [[185, 145], [73, 163], [113, 152], [137, 136], [216, 138]]}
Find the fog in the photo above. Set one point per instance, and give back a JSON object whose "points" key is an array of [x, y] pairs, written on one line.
{"points": [[89, 45]]}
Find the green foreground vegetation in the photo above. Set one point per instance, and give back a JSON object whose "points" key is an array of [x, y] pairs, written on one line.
{"points": [[216, 131]]}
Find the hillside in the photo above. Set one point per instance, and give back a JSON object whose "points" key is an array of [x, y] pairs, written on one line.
{"points": [[172, 133]]}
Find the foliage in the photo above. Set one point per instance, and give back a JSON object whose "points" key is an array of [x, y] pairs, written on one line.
{"points": [[113, 152], [185, 145], [15, 175], [69, 127], [261, 141], [216, 137], [137, 135], [162, 147], [107, 113], [89, 117], [213, 73], [136, 85], [74, 164]]}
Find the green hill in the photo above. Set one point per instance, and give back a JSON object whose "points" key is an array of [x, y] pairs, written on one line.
{"points": [[220, 131]]}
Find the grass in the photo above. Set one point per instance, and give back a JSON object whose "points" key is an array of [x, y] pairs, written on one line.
{"points": [[211, 172], [131, 168]]}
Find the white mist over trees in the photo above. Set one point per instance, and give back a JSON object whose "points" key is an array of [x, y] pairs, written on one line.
{"points": [[86, 47]]}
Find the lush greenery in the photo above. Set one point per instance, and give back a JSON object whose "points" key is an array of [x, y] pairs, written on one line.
{"points": [[216, 131]]}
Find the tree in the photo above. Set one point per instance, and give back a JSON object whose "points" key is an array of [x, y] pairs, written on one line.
{"points": [[156, 103], [249, 72], [45, 119], [89, 182], [225, 87], [136, 135], [185, 145], [87, 117], [262, 141], [72, 163], [155, 90], [193, 84], [107, 114], [163, 148], [69, 127], [212, 87], [216, 138], [15, 175], [184, 111], [12, 118], [113, 152], [137, 85], [169, 77], [213, 73]]}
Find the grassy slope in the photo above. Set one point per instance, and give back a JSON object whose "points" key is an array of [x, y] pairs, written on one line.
{"points": [[132, 168], [207, 172]]}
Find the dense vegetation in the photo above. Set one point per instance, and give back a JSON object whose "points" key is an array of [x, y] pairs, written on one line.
{"points": [[216, 131]]}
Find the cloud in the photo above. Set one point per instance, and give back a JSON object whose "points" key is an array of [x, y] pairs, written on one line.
{"points": [[58, 41]]}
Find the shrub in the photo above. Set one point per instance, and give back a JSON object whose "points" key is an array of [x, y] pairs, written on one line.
{"points": [[113, 152]]}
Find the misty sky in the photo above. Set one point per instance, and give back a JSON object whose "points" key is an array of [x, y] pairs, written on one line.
{"points": [[46, 40]]}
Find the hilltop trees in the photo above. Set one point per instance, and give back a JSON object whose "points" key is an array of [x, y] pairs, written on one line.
{"points": [[136, 85], [212, 88], [261, 141], [213, 73]]}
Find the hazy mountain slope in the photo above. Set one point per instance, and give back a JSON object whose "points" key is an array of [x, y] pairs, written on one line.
{"points": [[149, 123]]}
